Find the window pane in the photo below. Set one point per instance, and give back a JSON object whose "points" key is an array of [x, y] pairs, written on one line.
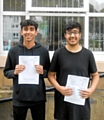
{"points": [[50, 32], [96, 36], [57, 3], [11, 31], [96, 5], [14, 5]]}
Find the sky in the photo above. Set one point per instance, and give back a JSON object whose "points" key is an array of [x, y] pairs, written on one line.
{"points": [[99, 1], [98, 4]]}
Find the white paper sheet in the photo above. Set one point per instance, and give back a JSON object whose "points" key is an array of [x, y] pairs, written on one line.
{"points": [[77, 83], [29, 75]]}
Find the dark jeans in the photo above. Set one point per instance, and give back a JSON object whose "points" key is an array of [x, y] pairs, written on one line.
{"points": [[37, 112]]}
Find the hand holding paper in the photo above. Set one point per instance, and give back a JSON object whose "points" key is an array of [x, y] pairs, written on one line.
{"points": [[77, 83], [39, 69], [19, 69], [66, 91]]}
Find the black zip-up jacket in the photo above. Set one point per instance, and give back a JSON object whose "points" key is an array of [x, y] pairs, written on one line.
{"points": [[23, 93]]}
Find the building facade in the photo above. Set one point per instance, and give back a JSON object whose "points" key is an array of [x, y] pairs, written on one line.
{"points": [[51, 16]]}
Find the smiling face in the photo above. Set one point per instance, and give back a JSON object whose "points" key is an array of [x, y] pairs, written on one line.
{"points": [[73, 36], [28, 33]]}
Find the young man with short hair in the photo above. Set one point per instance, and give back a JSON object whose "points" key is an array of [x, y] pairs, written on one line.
{"points": [[28, 96], [77, 61]]}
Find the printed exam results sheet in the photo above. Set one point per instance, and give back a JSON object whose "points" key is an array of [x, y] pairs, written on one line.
{"points": [[29, 75], [77, 83]]}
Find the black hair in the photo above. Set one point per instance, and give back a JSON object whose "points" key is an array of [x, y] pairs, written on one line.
{"points": [[29, 22], [72, 24]]}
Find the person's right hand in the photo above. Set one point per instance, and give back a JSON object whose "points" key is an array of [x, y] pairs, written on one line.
{"points": [[65, 91], [18, 69]]}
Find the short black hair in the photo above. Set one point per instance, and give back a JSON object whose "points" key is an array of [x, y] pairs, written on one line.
{"points": [[72, 24], [29, 22]]}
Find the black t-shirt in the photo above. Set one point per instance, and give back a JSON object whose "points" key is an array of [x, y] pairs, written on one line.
{"points": [[81, 63]]}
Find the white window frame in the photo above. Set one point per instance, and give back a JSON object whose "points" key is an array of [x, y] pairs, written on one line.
{"points": [[2, 13], [85, 10], [42, 12], [1, 26], [58, 9], [65, 15], [99, 56]]}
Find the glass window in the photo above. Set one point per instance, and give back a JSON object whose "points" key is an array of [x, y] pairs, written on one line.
{"points": [[96, 5], [11, 33], [14, 5], [96, 33], [57, 3], [50, 32]]}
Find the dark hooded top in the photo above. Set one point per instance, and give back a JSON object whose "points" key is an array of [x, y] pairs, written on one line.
{"points": [[27, 94]]}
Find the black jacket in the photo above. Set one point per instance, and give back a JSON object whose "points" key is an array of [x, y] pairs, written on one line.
{"points": [[27, 92]]}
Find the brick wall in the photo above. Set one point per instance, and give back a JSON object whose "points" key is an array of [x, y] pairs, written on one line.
{"points": [[4, 82]]}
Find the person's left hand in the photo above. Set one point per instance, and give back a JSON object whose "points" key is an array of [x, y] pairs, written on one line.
{"points": [[39, 69], [86, 93]]}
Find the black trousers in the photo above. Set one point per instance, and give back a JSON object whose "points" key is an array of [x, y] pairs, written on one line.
{"points": [[37, 112]]}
